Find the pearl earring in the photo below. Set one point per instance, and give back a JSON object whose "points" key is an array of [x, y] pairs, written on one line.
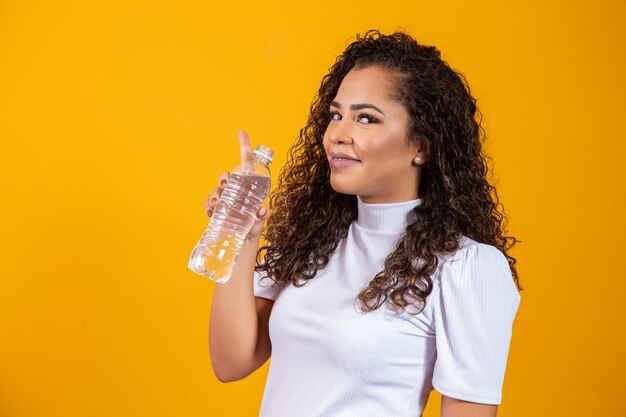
{"points": [[417, 161]]}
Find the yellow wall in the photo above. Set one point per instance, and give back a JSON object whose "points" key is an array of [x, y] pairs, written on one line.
{"points": [[117, 117]]}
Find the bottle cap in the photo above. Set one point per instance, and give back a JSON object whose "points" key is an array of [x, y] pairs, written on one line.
{"points": [[264, 151]]}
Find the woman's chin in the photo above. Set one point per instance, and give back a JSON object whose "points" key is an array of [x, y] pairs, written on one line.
{"points": [[341, 187]]}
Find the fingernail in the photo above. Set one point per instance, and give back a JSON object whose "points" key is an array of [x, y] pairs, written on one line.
{"points": [[262, 211], [223, 183]]}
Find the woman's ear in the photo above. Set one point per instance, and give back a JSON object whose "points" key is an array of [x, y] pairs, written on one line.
{"points": [[419, 157], [418, 160]]}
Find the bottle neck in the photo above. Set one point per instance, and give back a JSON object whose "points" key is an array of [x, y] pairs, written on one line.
{"points": [[259, 159]]}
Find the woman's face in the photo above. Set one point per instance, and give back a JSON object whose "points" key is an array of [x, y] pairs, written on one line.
{"points": [[366, 140]]}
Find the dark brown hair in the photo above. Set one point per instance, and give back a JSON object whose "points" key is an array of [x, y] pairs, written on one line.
{"points": [[309, 218]]}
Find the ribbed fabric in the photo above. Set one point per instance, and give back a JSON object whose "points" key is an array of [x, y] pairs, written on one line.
{"points": [[329, 360]]}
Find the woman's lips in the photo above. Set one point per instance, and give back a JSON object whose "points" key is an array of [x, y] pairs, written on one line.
{"points": [[342, 163]]}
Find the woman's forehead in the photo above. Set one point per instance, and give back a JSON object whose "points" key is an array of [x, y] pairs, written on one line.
{"points": [[374, 85]]}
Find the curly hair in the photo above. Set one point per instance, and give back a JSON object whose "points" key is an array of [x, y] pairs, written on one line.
{"points": [[309, 219]]}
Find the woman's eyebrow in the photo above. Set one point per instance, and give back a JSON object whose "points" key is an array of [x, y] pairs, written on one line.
{"points": [[359, 106]]}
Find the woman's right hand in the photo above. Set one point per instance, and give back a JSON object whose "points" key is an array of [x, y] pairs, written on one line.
{"points": [[209, 205]]}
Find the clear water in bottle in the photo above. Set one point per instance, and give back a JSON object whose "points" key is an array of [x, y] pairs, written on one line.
{"points": [[234, 215]]}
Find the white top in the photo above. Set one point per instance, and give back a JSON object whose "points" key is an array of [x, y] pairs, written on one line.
{"points": [[330, 360]]}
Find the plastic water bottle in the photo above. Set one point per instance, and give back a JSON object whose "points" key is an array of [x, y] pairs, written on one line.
{"points": [[234, 215]]}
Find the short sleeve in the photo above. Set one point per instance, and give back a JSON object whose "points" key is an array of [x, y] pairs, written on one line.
{"points": [[473, 313], [264, 286]]}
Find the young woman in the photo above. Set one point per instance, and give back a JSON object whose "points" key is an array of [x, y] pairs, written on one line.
{"points": [[386, 272]]}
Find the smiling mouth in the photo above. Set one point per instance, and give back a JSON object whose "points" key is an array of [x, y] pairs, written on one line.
{"points": [[340, 156], [339, 162]]}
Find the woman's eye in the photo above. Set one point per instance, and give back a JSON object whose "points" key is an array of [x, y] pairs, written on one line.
{"points": [[366, 119], [361, 118]]}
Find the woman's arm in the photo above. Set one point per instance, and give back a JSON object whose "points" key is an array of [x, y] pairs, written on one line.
{"points": [[239, 340], [238, 332], [451, 407], [473, 309]]}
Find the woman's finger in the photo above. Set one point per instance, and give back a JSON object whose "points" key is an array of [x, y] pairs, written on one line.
{"points": [[222, 180], [211, 201], [245, 150]]}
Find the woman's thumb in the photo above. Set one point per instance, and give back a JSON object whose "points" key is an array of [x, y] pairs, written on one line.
{"points": [[257, 227], [262, 213]]}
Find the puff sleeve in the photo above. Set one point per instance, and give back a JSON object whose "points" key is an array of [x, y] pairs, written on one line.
{"points": [[473, 312]]}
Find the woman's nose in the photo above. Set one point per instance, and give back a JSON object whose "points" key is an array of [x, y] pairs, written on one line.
{"points": [[339, 133]]}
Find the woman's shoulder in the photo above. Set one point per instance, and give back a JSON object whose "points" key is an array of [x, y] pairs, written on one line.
{"points": [[475, 265], [469, 248]]}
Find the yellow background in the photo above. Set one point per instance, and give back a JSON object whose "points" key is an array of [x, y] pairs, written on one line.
{"points": [[117, 117]]}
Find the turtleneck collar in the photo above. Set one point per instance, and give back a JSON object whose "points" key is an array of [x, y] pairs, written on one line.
{"points": [[386, 217]]}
